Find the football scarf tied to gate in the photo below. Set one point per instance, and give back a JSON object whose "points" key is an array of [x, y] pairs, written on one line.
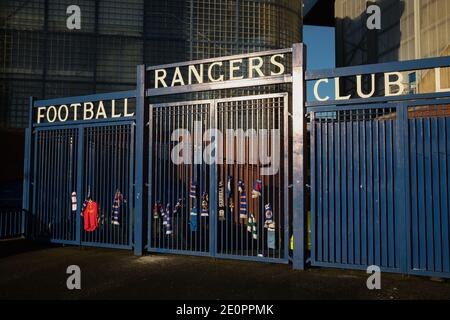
{"points": [[193, 190], [257, 187], [74, 202], [205, 207], [251, 222], [243, 214], [268, 215], [194, 219], [221, 202], [251, 226], [230, 194], [168, 216], [168, 219], [270, 225], [116, 207], [157, 208], [193, 214]]}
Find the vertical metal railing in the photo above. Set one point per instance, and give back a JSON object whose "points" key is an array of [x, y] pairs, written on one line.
{"points": [[354, 220], [10, 223], [55, 168], [169, 183], [108, 171], [233, 237], [252, 237]]}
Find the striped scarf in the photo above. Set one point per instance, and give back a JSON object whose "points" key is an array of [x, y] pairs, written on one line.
{"points": [[243, 214], [168, 220], [251, 226], [74, 202], [257, 187], [230, 193], [118, 198], [205, 207], [268, 215], [221, 202], [193, 190]]}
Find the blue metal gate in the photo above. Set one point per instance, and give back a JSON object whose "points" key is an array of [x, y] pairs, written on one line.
{"points": [[171, 225], [194, 208], [380, 184], [74, 162], [256, 117], [55, 178]]}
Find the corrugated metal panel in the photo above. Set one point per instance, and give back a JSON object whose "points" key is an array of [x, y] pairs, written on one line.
{"points": [[429, 158], [354, 220], [380, 188]]}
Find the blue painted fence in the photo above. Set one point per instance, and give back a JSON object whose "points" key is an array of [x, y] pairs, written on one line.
{"points": [[10, 223], [429, 188], [353, 161], [380, 184], [80, 160], [380, 187]]}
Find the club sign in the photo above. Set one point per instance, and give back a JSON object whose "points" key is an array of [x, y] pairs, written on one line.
{"points": [[219, 71]]}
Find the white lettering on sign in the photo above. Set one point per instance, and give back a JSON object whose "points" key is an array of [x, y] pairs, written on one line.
{"points": [[88, 111], [395, 84], [236, 69]]}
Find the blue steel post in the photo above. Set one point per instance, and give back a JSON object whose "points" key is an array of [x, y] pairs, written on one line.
{"points": [[298, 153], [139, 160], [26, 205], [80, 181], [26, 181]]}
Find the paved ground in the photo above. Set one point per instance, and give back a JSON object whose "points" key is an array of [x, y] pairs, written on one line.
{"points": [[29, 270]]}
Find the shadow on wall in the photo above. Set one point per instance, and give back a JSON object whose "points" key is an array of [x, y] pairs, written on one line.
{"points": [[357, 45], [11, 163]]}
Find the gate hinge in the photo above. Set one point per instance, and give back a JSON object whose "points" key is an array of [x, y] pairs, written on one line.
{"points": [[311, 115]]}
